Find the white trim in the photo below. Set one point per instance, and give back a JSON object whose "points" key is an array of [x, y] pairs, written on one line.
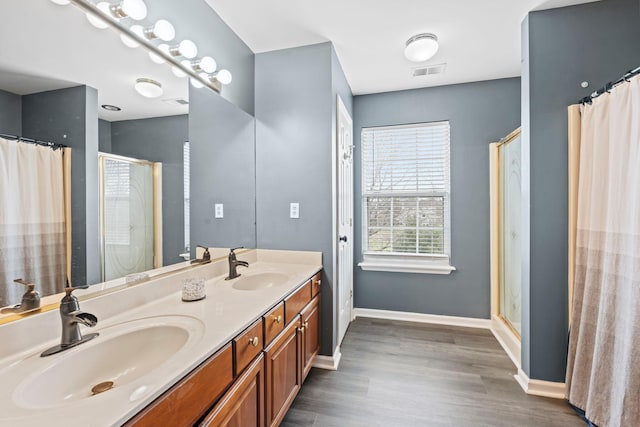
{"points": [[540, 388], [468, 322], [507, 339], [329, 363], [406, 266]]}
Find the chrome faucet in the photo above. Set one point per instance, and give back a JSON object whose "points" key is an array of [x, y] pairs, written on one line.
{"points": [[72, 317], [234, 263], [30, 299], [206, 256]]}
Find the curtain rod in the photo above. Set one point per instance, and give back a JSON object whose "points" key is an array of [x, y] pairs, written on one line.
{"points": [[607, 88], [49, 144]]}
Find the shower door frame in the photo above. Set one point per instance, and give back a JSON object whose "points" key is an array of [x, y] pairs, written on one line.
{"points": [[508, 336], [157, 206]]}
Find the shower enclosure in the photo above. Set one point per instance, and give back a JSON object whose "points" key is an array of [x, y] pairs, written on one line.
{"points": [[131, 239], [506, 239]]}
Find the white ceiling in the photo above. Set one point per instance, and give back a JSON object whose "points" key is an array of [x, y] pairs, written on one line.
{"points": [[479, 39]]}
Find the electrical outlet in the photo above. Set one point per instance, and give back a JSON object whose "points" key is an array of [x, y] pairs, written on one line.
{"points": [[219, 210], [294, 210]]}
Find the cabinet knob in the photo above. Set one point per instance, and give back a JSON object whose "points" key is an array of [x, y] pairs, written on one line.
{"points": [[254, 341], [305, 325], [318, 282], [278, 318], [301, 328]]}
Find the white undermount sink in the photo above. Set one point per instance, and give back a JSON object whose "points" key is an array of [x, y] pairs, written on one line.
{"points": [[260, 281], [121, 354]]}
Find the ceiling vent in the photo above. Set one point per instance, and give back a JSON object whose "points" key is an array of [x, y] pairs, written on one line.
{"points": [[429, 70], [178, 101]]}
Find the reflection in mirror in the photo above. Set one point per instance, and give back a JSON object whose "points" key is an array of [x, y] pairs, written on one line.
{"points": [[56, 71]]}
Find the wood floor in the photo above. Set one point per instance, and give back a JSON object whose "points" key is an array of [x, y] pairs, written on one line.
{"points": [[409, 374]]}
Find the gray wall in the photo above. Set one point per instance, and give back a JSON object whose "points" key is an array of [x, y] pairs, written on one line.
{"points": [[104, 136], [160, 139], [196, 20], [70, 117], [10, 113], [479, 113], [222, 138], [294, 106], [595, 42]]}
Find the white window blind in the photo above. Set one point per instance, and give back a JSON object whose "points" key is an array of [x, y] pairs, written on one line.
{"points": [[116, 194], [406, 185], [187, 194]]}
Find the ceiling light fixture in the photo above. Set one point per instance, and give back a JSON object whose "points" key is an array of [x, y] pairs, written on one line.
{"points": [[148, 88], [421, 47]]}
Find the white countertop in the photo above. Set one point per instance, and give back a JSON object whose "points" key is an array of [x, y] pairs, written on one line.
{"points": [[213, 321]]}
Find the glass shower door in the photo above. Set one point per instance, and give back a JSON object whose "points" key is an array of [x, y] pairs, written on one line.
{"points": [[127, 217], [511, 240]]}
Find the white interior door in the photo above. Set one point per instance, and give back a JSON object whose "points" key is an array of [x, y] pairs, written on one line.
{"points": [[345, 218]]}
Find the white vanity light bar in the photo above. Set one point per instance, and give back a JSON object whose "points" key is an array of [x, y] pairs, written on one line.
{"points": [[88, 7]]}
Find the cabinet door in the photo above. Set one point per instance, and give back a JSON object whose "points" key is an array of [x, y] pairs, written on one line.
{"points": [[243, 404], [186, 402], [282, 368], [310, 327]]}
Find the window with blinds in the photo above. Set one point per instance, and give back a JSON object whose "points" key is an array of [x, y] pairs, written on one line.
{"points": [[406, 185], [187, 194]]}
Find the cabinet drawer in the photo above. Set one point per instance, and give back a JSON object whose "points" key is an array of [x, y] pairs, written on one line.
{"points": [[247, 345], [273, 323], [189, 400], [296, 301], [315, 284]]}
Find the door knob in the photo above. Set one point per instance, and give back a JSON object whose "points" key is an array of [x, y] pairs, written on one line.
{"points": [[343, 239]]}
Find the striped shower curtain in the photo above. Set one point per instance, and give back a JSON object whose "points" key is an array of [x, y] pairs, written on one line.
{"points": [[33, 235], [603, 366]]}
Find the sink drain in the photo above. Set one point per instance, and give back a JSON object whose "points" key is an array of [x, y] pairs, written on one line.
{"points": [[102, 387]]}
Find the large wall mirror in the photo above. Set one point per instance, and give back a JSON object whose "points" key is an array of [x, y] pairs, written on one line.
{"points": [[140, 187]]}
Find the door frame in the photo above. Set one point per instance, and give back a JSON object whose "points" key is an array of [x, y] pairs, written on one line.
{"points": [[157, 205], [340, 108]]}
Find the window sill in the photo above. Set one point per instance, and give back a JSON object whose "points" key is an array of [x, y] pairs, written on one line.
{"points": [[406, 265]]}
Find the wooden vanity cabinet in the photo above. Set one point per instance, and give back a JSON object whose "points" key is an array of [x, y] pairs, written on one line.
{"points": [[283, 373], [186, 402], [253, 380], [310, 335], [243, 404]]}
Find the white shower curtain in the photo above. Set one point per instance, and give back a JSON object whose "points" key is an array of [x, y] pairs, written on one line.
{"points": [[32, 219], [603, 367]]}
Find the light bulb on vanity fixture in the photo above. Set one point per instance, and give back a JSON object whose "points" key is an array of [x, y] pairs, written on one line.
{"points": [[206, 64], [162, 30], [148, 88], [421, 47], [185, 48], [134, 9], [178, 72], [223, 76]]}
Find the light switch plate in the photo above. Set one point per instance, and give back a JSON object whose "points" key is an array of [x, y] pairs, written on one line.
{"points": [[219, 210], [294, 210]]}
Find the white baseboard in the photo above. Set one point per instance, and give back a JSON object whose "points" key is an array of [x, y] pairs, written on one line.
{"points": [[468, 322], [329, 363], [539, 387], [507, 339]]}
